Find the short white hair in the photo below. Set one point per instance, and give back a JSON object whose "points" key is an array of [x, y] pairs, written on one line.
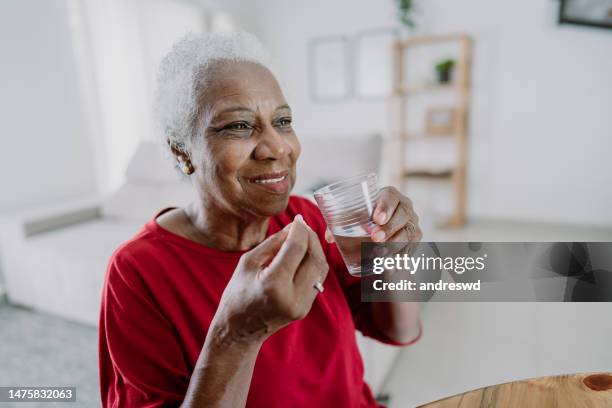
{"points": [[183, 73]]}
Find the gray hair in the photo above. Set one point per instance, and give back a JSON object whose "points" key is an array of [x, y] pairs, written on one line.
{"points": [[184, 72]]}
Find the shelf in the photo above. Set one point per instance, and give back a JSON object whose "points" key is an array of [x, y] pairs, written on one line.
{"points": [[431, 39], [414, 136], [416, 89], [425, 165], [439, 175]]}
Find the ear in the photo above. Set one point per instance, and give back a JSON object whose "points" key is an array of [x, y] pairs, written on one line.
{"points": [[182, 158], [179, 151]]}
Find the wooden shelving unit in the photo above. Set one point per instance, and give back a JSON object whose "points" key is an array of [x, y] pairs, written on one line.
{"points": [[402, 92], [423, 88]]}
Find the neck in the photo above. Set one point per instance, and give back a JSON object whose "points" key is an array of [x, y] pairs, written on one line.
{"points": [[219, 229]]}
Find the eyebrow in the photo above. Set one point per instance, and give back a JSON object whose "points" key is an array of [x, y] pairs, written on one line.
{"points": [[243, 109]]}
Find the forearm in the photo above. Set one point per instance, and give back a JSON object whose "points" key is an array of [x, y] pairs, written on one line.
{"points": [[397, 320], [223, 372]]}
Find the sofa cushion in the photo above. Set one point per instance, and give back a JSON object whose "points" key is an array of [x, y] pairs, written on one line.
{"points": [[70, 264], [148, 165], [328, 159]]}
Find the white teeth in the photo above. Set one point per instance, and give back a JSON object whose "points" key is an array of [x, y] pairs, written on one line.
{"points": [[270, 181]]}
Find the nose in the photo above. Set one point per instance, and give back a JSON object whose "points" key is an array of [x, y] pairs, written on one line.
{"points": [[271, 145]]}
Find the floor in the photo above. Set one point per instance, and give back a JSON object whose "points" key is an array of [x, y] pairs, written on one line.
{"points": [[512, 231], [465, 340], [42, 350]]}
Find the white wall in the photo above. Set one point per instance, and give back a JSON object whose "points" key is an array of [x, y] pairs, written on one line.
{"points": [[124, 43], [540, 126], [46, 151]]}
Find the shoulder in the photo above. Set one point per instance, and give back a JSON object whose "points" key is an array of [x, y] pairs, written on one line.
{"points": [[121, 263], [148, 244], [172, 219], [137, 254]]}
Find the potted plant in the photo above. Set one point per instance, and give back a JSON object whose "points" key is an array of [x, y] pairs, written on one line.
{"points": [[405, 9], [444, 69]]}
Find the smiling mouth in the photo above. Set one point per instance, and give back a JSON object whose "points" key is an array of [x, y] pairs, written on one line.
{"points": [[276, 182], [269, 180]]}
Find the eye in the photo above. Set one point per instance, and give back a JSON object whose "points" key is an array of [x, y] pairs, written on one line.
{"points": [[238, 126], [236, 130], [284, 122]]}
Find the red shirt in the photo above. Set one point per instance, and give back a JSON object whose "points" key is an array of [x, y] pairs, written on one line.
{"points": [[160, 294]]}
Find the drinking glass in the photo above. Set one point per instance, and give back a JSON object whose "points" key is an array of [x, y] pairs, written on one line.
{"points": [[347, 207]]}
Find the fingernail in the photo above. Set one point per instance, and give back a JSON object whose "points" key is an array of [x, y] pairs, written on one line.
{"points": [[381, 217], [299, 217], [379, 236]]}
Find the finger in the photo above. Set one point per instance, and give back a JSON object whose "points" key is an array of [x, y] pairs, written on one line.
{"points": [[401, 245], [403, 235], [417, 233], [293, 250], [315, 258], [399, 219], [263, 253], [310, 272], [314, 245], [387, 202], [411, 236], [329, 237], [313, 269]]}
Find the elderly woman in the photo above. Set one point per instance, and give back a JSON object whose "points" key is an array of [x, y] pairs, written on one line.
{"points": [[221, 303]]}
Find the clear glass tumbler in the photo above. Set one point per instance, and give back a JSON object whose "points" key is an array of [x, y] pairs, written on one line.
{"points": [[347, 207]]}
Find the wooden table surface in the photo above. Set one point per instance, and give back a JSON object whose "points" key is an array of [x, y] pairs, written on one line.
{"points": [[574, 390]]}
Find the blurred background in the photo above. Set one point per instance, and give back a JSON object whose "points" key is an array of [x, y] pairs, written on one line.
{"points": [[493, 116]]}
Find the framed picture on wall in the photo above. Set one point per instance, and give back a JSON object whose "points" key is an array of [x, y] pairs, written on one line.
{"points": [[329, 68], [440, 121], [373, 53], [592, 13]]}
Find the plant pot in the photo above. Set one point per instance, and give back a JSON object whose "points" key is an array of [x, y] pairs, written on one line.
{"points": [[444, 76]]}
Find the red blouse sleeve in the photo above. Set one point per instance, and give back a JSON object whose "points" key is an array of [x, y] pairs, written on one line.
{"points": [[141, 361]]}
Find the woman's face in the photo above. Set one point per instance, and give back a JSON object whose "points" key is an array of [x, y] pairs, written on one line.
{"points": [[245, 151]]}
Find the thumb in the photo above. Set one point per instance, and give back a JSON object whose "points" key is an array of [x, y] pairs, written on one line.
{"points": [[263, 253]]}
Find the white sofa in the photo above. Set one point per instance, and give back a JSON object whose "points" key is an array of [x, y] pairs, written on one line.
{"points": [[54, 258]]}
